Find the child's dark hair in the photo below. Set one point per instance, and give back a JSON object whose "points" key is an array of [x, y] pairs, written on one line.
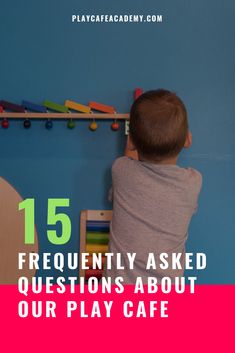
{"points": [[158, 125]]}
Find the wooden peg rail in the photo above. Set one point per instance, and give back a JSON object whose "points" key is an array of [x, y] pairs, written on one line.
{"points": [[77, 116]]}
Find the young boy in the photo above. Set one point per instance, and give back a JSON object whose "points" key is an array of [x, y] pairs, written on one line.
{"points": [[153, 198]]}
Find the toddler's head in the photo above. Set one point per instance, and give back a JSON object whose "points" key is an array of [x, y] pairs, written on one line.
{"points": [[159, 125]]}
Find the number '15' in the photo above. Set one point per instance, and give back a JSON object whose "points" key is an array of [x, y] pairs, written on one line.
{"points": [[28, 205]]}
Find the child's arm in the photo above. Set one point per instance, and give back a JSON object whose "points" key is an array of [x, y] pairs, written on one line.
{"points": [[130, 150]]}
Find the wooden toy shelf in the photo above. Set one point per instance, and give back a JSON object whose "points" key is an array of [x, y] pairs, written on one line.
{"points": [[28, 115]]}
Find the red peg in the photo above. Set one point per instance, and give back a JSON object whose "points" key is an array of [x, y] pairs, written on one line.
{"points": [[137, 93], [5, 124], [115, 126]]}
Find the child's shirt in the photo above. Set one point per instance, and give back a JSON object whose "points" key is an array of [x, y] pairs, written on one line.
{"points": [[152, 208]]}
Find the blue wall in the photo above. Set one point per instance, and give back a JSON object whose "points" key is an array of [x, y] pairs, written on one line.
{"points": [[45, 56]]}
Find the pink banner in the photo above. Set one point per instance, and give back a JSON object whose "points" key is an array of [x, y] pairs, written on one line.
{"points": [[203, 321]]}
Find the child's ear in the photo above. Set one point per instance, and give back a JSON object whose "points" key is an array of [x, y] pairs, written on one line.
{"points": [[130, 144], [188, 141]]}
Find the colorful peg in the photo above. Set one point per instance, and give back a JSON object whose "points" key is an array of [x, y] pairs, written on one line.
{"points": [[56, 107], [102, 107], [34, 107], [71, 124], [115, 126], [12, 106], [27, 123], [77, 107], [49, 124], [137, 93], [5, 124], [93, 125]]}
